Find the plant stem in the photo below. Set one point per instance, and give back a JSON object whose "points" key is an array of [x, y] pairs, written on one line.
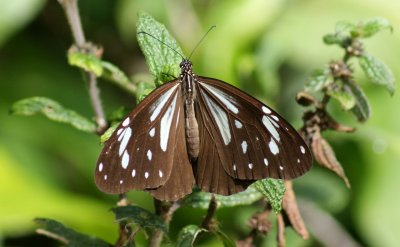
{"points": [[165, 211], [71, 11], [212, 208]]}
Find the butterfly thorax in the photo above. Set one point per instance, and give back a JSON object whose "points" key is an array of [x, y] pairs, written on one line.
{"points": [[188, 78]]}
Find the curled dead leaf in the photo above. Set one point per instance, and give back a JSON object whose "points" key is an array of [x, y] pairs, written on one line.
{"points": [[326, 157], [291, 210]]}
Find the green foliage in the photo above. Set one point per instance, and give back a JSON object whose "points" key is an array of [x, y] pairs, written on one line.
{"points": [[345, 31], [160, 49], [273, 190], [67, 236], [361, 109], [346, 100], [91, 63], [52, 110], [202, 199], [188, 235], [377, 72], [138, 216], [319, 79]]}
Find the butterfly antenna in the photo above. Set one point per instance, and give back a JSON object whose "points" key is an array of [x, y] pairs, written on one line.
{"points": [[162, 42], [198, 43]]}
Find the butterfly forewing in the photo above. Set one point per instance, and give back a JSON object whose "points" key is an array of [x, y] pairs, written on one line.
{"points": [[252, 141], [140, 152]]}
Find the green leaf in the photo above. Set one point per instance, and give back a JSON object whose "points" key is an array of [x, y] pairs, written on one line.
{"points": [[104, 137], [372, 26], [52, 110], [67, 236], [377, 72], [87, 62], [345, 99], [344, 27], [273, 190], [361, 109], [228, 242], [139, 216], [202, 199], [144, 89], [335, 39], [160, 49], [116, 75], [318, 80], [188, 235]]}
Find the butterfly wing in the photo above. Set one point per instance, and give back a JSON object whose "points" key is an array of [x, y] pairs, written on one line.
{"points": [[139, 154], [181, 180], [251, 141]]}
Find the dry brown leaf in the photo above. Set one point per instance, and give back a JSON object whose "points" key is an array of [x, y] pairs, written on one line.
{"points": [[291, 210], [326, 157], [281, 230]]}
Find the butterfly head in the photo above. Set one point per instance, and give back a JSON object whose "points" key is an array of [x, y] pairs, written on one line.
{"points": [[186, 66]]}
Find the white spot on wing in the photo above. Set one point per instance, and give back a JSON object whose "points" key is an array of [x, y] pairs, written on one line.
{"points": [[121, 181], [238, 124], [126, 122], [125, 139], [281, 167], [250, 166], [160, 173], [159, 104], [119, 131], [266, 109], [273, 147], [105, 177], [133, 173], [146, 175], [220, 118], [100, 167], [165, 124], [223, 97], [244, 146], [298, 160], [149, 154], [152, 132], [265, 161], [302, 149], [125, 160], [234, 167], [267, 123], [275, 117], [121, 136]]}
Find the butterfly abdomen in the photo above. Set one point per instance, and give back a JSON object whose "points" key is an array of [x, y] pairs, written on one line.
{"points": [[192, 132]]}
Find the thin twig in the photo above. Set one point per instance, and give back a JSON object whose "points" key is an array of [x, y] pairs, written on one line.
{"points": [[72, 13], [165, 210]]}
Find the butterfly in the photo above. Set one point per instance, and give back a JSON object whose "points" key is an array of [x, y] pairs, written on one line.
{"points": [[199, 131]]}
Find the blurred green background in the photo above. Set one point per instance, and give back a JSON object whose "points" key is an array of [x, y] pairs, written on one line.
{"points": [[266, 48]]}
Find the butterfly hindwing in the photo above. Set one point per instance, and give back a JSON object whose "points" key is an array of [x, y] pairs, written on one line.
{"points": [[181, 180], [253, 141], [139, 154]]}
